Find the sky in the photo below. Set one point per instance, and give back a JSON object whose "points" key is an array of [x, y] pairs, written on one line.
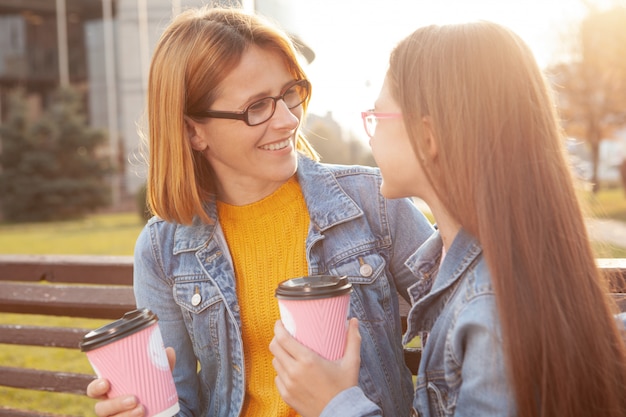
{"points": [[352, 39]]}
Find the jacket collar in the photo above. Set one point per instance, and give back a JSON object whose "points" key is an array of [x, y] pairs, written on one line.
{"points": [[431, 292], [327, 202]]}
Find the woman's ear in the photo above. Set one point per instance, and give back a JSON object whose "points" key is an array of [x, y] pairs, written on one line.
{"points": [[197, 143], [429, 138]]}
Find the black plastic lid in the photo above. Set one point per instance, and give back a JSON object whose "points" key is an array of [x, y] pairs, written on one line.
{"points": [[132, 322], [313, 287]]}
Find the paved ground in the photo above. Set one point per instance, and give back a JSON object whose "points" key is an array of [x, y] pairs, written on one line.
{"points": [[605, 230]]}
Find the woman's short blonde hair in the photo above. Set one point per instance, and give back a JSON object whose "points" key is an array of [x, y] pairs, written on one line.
{"points": [[195, 53]]}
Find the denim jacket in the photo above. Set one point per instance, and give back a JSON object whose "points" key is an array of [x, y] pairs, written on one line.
{"points": [[185, 275], [462, 371]]}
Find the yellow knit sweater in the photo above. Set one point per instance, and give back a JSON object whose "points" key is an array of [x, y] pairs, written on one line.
{"points": [[267, 244]]}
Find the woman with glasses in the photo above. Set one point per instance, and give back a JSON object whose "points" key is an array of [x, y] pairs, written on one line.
{"points": [[514, 317], [241, 203]]}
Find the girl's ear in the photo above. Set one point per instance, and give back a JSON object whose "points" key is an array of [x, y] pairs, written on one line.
{"points": [[197, 143], [429, 138]]}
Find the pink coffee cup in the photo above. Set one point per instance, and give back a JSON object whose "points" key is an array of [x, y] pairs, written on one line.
{"points": [[314, 309], [129, 353]]}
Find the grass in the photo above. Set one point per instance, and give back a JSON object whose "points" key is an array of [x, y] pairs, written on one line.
{"points": [[115, 234], [107, 234], [606, 250], [607, 204]]}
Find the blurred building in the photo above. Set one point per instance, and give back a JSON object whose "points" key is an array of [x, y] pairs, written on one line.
{"points": [[103, 48], [29, 52]]}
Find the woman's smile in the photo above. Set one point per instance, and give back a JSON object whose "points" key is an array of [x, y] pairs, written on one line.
{"points": [[276, 146]]}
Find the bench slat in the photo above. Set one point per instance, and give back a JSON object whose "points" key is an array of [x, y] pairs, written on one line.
{"points": [[114, 270], [40, 380], [620, 300], [61, 337], [89, 301], [412, 359]]}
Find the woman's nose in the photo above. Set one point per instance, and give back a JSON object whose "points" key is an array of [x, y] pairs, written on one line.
{"points": [[284, 117]]}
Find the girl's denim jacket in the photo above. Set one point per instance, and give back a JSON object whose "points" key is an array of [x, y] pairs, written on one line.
{"points": [[462, 370], [184, 274]]}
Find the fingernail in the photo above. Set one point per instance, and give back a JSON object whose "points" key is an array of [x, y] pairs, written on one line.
{"points": [[138, 412], [129, 402]]}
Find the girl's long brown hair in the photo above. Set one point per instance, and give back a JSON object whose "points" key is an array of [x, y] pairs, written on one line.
{"points": [[501, 172], [195, 53]]}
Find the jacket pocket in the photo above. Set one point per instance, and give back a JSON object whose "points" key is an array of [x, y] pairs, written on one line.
{"points": [[195, 294], [440, 400], [370, 299], [205, 317]]}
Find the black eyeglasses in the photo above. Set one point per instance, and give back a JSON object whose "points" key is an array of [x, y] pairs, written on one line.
{"points": [[262, 110]]}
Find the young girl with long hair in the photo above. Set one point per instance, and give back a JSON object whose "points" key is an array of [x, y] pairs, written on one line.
{"points": [[514, 315]]}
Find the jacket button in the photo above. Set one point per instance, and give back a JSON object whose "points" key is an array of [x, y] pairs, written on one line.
{"points": [[195, 300], [366, 270]]}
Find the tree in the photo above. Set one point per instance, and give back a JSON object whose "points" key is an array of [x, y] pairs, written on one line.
{"points": [[592, 87], [51, 168]]}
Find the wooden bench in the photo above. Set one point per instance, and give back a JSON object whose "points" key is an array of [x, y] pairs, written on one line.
{"points": [[100, 287], [97, 287]]}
